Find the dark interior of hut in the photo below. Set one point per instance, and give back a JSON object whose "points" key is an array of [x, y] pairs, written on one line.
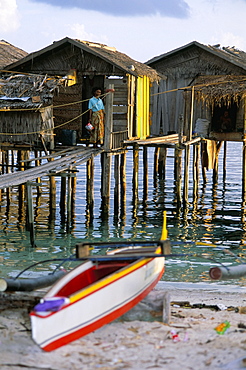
{"points": [[224, 118], [87, 85]]}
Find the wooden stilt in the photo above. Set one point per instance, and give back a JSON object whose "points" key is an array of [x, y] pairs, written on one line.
{"points": [[12, 160], [106, 179], [244, 158], [106, 159], [30, 215], [216, 163], [73, 192], [156, 158], [52, 197], [90, 190], [178, 174], [186, 175], [123, 184], [69, 200], [63, 198], [162, 163], [135, 175], [37, 163], [224, 162], [7, 170], [145, 173], [195, 173], [116, 185]]}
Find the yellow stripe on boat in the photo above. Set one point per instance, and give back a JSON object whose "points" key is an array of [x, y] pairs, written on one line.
{"points": [[108, 280]]}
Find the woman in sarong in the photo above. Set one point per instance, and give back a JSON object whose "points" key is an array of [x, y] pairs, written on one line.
{"points": [[96, 117]]}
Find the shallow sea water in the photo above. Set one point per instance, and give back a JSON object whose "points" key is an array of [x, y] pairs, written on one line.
{"points": [[216, 219]]}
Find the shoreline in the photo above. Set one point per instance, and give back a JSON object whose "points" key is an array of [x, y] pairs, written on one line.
{"points": [[130, 343]]}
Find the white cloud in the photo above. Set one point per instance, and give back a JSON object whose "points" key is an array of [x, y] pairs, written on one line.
{"points": [[9, 20], [141, 37], [78, 31]]}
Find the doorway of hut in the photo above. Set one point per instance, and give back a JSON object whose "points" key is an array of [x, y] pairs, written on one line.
{"points": [[224, 117], [89, 82]]}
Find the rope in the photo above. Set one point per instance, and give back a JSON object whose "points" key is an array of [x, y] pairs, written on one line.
{"points": [[50, 129], [198, 86]]}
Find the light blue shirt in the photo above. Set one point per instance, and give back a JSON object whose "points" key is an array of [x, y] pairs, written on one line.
{"points": [[95, 104]]}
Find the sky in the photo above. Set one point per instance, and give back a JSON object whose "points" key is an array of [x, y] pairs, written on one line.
{"points": [[142, 29]]}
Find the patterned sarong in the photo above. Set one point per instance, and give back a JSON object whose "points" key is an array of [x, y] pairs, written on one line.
{"points": [[97, 121]]}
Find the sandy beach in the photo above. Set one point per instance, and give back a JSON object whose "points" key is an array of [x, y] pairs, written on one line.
{"points": [[188, 341]]}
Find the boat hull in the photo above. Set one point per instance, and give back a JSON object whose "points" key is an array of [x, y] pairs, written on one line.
{"points": [[96, 305]]}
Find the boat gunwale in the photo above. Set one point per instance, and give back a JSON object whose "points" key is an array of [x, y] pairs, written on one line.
{"points": [[113, 277]]}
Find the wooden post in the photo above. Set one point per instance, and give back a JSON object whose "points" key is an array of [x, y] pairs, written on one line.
{"points": [[108, 119], [63, 198], [135, 175], [162, 163], [224, 161], [216, 162], [37, 163], [30, 215], [187, 150], [186, 175], [166, 313], [145, 173], [244, 157], [123, 184], [12, 161], [106, 159], [156, 157], [1, 171], [52, 197], [116, 185], [69, 198], [90, 189], [181, 128], [178, 174], [195, 172], [21, 189], [7, 170], [73, 191]]}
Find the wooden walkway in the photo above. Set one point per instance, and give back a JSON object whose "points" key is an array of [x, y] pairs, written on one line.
{"points": [[57, 162]]}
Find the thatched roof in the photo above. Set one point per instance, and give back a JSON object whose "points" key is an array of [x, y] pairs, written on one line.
{"points": [[9, 53], [228, 54], [220, 89], [27, 90], [121, 60], [108, 54]]}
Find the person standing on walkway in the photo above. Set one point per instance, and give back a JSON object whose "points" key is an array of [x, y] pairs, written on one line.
{"points": [[96, 117]]}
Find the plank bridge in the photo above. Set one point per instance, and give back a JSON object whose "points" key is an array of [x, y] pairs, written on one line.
{"points": [[56, 163]]}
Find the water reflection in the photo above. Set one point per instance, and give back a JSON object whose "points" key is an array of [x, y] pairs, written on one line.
{"points": [[215, 214]]}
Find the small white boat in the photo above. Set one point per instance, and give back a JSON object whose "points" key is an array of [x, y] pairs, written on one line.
{"points": [[93, 294], [96, 292]]}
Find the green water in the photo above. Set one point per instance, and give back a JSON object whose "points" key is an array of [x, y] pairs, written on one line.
{"points": [[217, 218]]}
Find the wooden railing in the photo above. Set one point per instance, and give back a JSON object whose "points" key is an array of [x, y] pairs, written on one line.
{"points": [[118, 138]]}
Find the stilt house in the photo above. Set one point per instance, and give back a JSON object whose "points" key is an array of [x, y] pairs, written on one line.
{"points": [[183, 103], [26, 111], [86, 65]]}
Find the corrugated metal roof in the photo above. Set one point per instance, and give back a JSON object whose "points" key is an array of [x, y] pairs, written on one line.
{"points": [[27, 90]]}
